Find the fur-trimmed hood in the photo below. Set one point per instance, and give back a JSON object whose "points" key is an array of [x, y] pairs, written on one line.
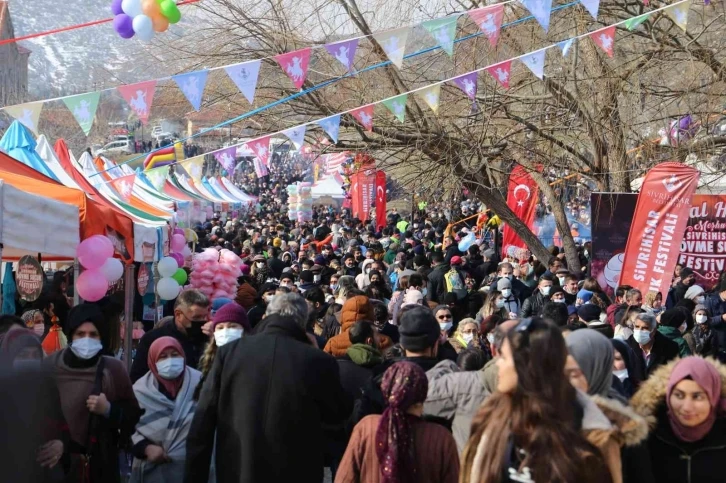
{"points": [[652, 392], [629, 428]]}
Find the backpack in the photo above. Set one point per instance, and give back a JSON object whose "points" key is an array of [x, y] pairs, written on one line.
{"points": [[454, 283]]}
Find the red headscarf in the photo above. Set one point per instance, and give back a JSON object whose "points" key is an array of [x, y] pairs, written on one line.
{"points": [[157, 347]]}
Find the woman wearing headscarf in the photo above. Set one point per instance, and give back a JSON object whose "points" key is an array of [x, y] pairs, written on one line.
{"points": [[165, 394], [398, 446], [684, 402], [34, 321], [704, 337], [625, 369]]}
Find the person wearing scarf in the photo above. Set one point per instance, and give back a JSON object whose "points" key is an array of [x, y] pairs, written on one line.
{"points": [[398, 446], [165, 394], [34, 321], [685, 403]]}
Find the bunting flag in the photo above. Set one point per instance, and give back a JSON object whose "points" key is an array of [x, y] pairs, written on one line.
{"points": [[245, 77], [467, 83], [679, 13], [605, 39], [393, 44], [195, 167], [501, 72], [397, 106], [296, 135], [260, 168], [192, 86], [157, 176], [139, 97], [540, 10], [295, 65], [535, 61], [364, 115], [344, 52], [83, 107], [27, 114], [592, 6], [565, 46], [633, 22], [443, 30], [124, 186], [331, 126], [261, 148], [489, 20], [431, 96], [226, 157]]}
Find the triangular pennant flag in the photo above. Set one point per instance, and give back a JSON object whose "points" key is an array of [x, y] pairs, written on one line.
{"points": [[467, 83], [489, 20], [295, 65], [192, 86], [245, 77], [397, 106], [501, 72], [83, 108], [679, 13], [633, 22], [27, 114], [157, 176], [226, 157], [260, 168], [605, 39], [540, 10], [535, 61], [393, 44], [431, 96], [592, 6], [344, 52], [261, 148], [565, 46], [195, 167], [443, 30], [331, 126], [364, 115], [124, 186], [139, 97], [296, 135]]}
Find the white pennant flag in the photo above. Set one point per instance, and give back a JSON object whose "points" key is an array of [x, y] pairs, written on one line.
{"points": [[296, 135], [535, 62], [245, 77], [393, 44]]}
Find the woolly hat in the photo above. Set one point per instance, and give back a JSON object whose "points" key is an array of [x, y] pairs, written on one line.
{"points": [[693, 292], [320, 260], [277, 243], [503, 283], [589, 312], [219, 303], [306, 276], [245, 269], [418, 329], [79, 315], [456, 260], [231, 312], [585, 295]]}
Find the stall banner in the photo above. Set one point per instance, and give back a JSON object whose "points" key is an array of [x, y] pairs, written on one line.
{"points": [[363, 184], [29, 278], [380, 199], [661, 215], [522, 197]]}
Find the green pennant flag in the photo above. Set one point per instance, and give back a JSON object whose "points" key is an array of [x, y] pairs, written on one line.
{"points": [[397, 106], [443, 30], [83, 107], [632, 23], [157, 176]]}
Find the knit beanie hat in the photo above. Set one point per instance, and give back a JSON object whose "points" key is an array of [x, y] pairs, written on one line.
{"points": [[585, 295], [81, 314], [418, 329], [231, 312]]}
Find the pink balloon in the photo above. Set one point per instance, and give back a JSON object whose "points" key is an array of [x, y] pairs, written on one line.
{"points": [[92, 285], [178, 242], [178, 231], [94, 251], [179, 258], [107, 244]]}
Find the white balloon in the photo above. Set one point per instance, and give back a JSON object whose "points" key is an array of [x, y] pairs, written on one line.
{"points": [[168, 288], [132, 8], [112, 269], [186, 252], [167, 267], [144, 27]]}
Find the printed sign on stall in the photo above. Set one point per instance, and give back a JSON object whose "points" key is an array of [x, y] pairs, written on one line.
{"points": [[29, 278]]}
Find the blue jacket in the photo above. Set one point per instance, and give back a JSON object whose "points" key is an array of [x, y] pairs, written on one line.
{"points": [[717, 308]]}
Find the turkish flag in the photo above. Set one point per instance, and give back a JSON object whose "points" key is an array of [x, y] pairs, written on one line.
{"points": [[522, 197], [661, 215], [380, 199]]}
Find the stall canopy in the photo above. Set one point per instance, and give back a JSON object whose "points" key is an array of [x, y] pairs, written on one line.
{"points": [[327, 186], [19, 143], [46, 153]]}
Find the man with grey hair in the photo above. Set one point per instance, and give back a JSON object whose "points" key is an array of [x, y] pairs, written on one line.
{"points": [[265, 402], [191, 312], [652, 349]]}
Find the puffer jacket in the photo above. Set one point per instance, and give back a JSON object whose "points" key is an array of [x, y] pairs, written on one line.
{"points": [[355, 309]]}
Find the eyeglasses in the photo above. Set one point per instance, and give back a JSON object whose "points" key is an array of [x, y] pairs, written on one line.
{"points": [[444, 316], [195, 321]]}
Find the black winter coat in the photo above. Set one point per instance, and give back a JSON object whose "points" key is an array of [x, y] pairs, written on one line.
{"points": [[533, 305], [437, 282], [664, 350], [265, 402]]}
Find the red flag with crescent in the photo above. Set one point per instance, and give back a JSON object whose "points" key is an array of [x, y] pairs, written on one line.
{"points": [[522, 197], [380, 199]]}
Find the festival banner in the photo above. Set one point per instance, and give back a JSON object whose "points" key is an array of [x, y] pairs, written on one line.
{"points": [[83, 107], [397, 106], [363, 184], [393, 44], [355, 195], [679, 14], [331, 126], [489, 20], [535, 62], [124, 186], [364, 115], [501, 71], [522, 198], [380, 199], [192, 86], [295, 65], [467, 83], [226, 157], [431, 96], [540, 10], [592, 6], [344, 52], [296, 135], [443, 30], [661, 215], [27, 114], [139, 97], [244, 76], [261, 148], [605, 39], [260, 168]]}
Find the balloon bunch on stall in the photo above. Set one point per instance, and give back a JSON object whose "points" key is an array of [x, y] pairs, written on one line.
{"points": [[143, 17], [214, 273], [173, 275], [95, 254]]}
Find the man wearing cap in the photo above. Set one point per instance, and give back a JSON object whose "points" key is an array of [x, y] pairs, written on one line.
{"points": [[590, 315]]}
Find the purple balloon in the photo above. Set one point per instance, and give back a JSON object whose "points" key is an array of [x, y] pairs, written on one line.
{"points": [[123, 25], [178, 257], [116, 7]]}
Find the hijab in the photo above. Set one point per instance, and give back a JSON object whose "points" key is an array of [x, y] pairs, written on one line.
{"points": [[14, 341], [594, 354], [404, 384], [155, 350], [705, 375]]}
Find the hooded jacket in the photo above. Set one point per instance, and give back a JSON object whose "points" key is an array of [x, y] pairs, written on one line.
{"points": [[355, 309]]}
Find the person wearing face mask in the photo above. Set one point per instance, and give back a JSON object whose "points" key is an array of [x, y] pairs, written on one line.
{"points": [[34, 321], [533, 305], [362, 279], [96, 396], [260, 272], [466, 336], [624, 368], [519, 289], [673, 325], [651, 348], [165, 394], [511, 305], [444, 317], [703, 335]]}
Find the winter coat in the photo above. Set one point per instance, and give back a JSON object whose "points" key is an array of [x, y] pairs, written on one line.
{"points": [[675, 335], [533, 305], [717, 307], [355, 309], [705, 339], [663, 351], [519, 290], [673, 460], [356, 367], [437, 282]]}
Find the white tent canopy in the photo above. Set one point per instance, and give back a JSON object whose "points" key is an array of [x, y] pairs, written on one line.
{"points": [[45, 151], [327, 186]]}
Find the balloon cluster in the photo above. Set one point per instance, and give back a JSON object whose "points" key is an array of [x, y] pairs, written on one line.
{"points": [[143, 17], [173, 275], [214, 273], [95, 254]]}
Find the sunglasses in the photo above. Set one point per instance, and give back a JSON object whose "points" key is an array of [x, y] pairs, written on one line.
{"points": [[445, 316]]}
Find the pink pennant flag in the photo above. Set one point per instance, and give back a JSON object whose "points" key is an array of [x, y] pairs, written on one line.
{"points": [[139, 97], [260, 169], [489, 20], [364, 115], [261, 148], [605, 39], [124, 186], [295, 65], [226, 157], [501, 72], [467, 83], [344, 52]]}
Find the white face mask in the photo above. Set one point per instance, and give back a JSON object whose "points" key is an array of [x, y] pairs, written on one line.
{"points": [[170, 368], [468, 338], [701, 319], [700, 299], [86, 348], [562, 281], [223, 336], [506, 293], [316, 278], [425, 292], [683, 327], [268, 298], [641, 336], [545, 290], [559, 301], [490, 338], [260, 264], [622, 374], [499, 303], [445, 326]]}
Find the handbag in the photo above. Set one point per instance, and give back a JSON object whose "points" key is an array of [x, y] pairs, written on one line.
{"points": [[88, 472]]}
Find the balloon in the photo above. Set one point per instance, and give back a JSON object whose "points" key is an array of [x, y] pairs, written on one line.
{"points": [[132, 8], [94, 251], [167, 288], [116, 7], [113, 269], [178, 258], [467, 241], [187, 252], [178, 231], [144, 27], [91, 285], [167, 266], [178, 242], [150, 8], [170, 11], [124, 26], [180, 276]]}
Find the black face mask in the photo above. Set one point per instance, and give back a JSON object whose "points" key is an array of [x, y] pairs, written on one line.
{"points": [[195, 332]]}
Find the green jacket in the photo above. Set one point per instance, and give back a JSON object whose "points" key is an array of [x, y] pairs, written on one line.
{"points": [[675, 335]]}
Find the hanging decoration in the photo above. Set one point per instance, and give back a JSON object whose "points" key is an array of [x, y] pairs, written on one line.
{"points": [[83, 107], [592, 6], [139, 97], [540, 10], [27, 114], [501, 72], [124, 186], [244, 76], [226, 157], [393, 44], [679, 14], [489, 19], [535, 61], [431, 96], [192, 86], [443, 30], [364, 115], [344, 52], [261, 148], [565, 46], [296, 135], [467, 83], [331, 126], [142, 18], [605, 39], [397, 106], [295, 65]]}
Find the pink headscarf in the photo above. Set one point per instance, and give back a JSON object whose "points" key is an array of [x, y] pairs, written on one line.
{"points": [[705, 375], [155, 350]]}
